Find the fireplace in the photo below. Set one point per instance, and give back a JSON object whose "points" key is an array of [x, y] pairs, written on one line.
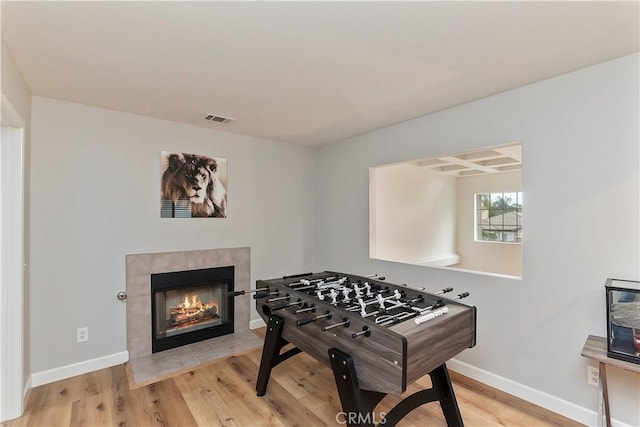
{"points": [[190, 306], [139, 269]]}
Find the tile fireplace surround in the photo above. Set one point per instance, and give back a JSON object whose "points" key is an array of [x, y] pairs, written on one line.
{"points": [[139, 268]]}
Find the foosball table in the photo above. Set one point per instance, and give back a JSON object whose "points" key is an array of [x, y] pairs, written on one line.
{"points": [[377, 338]]}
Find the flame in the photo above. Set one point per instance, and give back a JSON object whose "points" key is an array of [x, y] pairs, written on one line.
{"points": [[191, 306], [192, 302]]}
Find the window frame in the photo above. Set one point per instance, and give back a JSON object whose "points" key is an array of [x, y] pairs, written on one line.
{"points": [[495, 196]]}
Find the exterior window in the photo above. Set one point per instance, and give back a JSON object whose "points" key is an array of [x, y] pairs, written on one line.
{"points": [[499, 217]]}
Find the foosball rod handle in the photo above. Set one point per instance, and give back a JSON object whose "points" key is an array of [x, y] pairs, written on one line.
{"points": [[375, 276], [366, 331], [462, 295]]}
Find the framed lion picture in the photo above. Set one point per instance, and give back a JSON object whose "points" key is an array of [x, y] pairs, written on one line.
{"points": [[192, 186]]}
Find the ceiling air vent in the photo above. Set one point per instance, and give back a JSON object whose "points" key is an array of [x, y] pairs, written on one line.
{"points": [[217, 118]]}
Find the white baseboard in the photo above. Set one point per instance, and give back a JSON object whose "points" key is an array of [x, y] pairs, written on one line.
{"points": [[555, 404], [258, 323], [68, 371]]}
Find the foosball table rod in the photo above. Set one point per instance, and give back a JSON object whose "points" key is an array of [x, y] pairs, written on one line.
{"points": [[345, 322], [258, 291], [326, 315]]}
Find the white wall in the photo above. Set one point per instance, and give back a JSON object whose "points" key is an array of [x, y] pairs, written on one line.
{"points": [[502, 258], [415, 211], [95, 198], [580, 146]]}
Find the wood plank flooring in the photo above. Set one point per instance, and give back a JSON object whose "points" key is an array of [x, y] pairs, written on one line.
{"points": [[301, 392]]}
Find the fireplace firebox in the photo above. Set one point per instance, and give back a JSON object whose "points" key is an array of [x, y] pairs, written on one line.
{"points": [[191, 306]]}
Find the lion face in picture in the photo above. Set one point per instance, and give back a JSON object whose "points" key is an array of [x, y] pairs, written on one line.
{"points": [[197, 177], [193, 178]]}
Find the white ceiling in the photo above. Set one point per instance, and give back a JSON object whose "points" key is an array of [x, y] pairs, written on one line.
{"points": [[304, 72]]}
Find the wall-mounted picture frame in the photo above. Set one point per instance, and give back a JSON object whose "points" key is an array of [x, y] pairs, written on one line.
{"points": [[192, 186]]}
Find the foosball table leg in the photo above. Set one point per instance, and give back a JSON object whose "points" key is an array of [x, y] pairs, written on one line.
{"points": [[440, 381], [273, 343], [358, 405]]}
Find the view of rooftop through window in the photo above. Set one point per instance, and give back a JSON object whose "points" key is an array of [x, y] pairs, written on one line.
{"points": [[499, 217]]}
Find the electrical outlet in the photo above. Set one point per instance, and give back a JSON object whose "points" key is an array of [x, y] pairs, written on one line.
{"points": [[83, 334], [593, 375]]}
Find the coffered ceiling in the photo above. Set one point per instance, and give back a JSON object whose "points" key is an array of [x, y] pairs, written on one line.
{"points": [[491, 160], [308, 73]]}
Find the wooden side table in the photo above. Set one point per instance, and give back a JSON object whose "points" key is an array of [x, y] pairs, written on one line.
{"points": [[596, 348]]}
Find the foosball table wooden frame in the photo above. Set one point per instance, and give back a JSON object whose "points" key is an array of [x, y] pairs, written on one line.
{"points": [[369, 358]]}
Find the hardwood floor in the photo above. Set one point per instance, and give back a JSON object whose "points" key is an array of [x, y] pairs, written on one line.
{"points": [[301, 392]]}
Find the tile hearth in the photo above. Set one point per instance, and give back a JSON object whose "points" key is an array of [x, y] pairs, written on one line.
{"points": [[158, 366]]}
